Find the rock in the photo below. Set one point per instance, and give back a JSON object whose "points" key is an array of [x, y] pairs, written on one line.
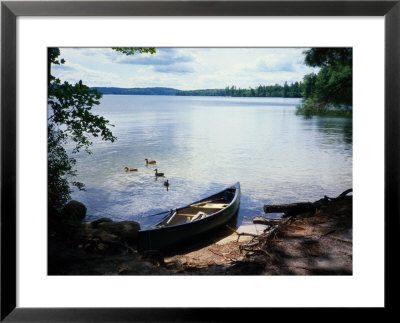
{"points": [[126, 230], [155, 257], [74, 211], [96, 223]]}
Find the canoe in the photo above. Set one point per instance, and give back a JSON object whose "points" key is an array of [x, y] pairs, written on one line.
{"points": [[191, 221]]}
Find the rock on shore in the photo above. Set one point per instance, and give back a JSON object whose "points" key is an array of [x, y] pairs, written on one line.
{"points": [[74, 211], [94, 247], [305, 244]]}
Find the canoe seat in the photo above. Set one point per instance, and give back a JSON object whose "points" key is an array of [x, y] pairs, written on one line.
{"points": [[212, 206], [198, 216]]}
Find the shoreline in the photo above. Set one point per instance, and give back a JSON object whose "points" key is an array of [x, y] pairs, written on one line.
{"points": [[308, 243]]}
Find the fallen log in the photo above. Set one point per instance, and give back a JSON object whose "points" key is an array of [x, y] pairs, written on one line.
{"points": [[293, 208], [340, 197], [266, 221], [303, 207]]}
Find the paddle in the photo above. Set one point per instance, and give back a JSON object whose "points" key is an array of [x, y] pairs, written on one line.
{"points": [[147, 216]]}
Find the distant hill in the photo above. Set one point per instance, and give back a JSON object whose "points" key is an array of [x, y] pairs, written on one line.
{"points": [[137, 91]]}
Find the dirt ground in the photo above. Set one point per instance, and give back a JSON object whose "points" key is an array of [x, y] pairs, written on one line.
{"points": [[306, 244], [317, 243]]}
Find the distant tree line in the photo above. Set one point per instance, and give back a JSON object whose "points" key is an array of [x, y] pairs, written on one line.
{"points": [[206, 92], [294, 90]]}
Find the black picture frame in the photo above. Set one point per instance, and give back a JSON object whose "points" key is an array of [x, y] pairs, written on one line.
{"points": [[10, 10]]}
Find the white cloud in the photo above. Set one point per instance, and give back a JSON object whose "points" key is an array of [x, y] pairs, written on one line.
{"points": [[73, 73], [184, 68]]}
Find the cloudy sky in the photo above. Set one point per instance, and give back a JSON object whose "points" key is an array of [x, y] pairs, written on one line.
{"points": [[183, 68]]}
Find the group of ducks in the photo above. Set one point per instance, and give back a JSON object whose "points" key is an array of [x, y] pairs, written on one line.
{"points": [[149, 162]]}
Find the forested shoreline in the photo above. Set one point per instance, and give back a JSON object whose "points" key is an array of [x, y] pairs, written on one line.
{"points": [[286, 91], [330, 91], [292, 90]]}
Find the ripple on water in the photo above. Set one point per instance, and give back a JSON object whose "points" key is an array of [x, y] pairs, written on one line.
{"points": [[204, 145]]}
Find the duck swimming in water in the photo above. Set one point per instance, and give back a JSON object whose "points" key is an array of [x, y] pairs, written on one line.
{"points": [[130, 169], [151, 162], [158, 174], [166, 184]]}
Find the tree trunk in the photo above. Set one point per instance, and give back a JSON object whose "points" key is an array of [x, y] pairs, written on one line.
{"points": [[302, 207], [290, 208]]}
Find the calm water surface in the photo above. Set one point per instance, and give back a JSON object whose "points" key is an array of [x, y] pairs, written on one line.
{"points": [[205, 144]]}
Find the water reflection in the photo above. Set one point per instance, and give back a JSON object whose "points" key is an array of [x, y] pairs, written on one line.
{"points": [[204, 145], [337, 130]]}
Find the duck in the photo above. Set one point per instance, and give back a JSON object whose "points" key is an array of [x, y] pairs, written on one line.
{"points": [[158, 174], [152, 162], [130, 169], [166, 183]]}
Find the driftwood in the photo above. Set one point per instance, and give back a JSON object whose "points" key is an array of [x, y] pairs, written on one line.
{"points": [[303, 207], [290, 208], [269, 234], [272, 233], [266, 221]]}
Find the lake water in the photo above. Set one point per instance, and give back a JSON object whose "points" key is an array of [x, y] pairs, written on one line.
{"points": [[205, 144]]}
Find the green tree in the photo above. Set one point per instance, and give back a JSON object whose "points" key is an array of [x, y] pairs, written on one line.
{"points": [[285, 90], [323, 57], [308, 85], [330, 91], [297, 90], [134, 50], [70, 120], [334, 86]]}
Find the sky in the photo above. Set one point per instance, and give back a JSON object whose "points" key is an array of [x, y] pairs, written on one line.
{"points": [[183, 68]]}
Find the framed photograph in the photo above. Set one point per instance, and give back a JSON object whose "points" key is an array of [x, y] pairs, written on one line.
{"points": [[241, 108]]}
